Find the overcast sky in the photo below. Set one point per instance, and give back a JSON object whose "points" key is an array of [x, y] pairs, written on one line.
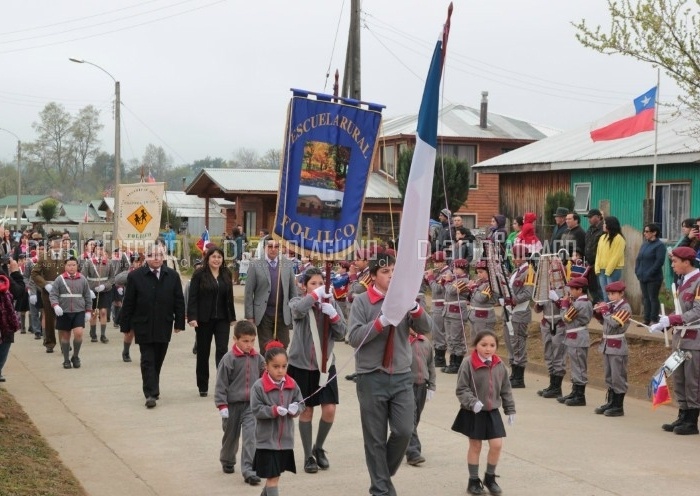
{"points": [[207, 77]]}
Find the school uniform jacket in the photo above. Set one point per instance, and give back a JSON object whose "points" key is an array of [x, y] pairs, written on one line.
{"points": [[372, 340], [576, 317], [48, 267], [522, 293], [71, 293], [98, 272], [492, 384], [616, 321], [272, 431], [235, 376], [302, 351], [423, 364], [687, 322], [437, 289], [455, 300], [482, 302]]}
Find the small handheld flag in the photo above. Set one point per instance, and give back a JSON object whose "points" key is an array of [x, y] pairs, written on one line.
{"points": [[658, 390]]}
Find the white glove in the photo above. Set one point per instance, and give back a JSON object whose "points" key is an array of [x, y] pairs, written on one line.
{"points": [[100, 288], [58, 311], [553, 295], [92, 294], [224, 413], [281, 411], [293, 408], [120, 291], [88, 316], [48, 287], [656, 328], [329, 310], [384, 321], [664, 321], [479, 405], [32, 299], [320, 293], [429, 394], [511, 419]]}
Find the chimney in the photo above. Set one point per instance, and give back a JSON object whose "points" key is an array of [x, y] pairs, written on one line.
{"points": [[483, 115]]}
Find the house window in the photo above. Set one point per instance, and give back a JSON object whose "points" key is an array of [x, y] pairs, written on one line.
{"points": [[388, 162], [464, 153], [582, 197], [672, 206]]}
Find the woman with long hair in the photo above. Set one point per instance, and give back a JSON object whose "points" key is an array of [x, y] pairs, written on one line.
{"points": [[648, 268], [210, 311], [610, 256]]}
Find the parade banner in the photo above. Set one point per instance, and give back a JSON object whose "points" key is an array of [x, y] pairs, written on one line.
{"points": [[139, 210], [326, 163]]}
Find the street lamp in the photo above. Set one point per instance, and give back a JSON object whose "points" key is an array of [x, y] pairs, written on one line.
{"points": [[19, 180], [117, 145]]}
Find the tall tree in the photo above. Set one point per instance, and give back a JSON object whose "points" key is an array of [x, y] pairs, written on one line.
{"points": [[662, 32], [156, 161], [455, 183], [245, 158], [85, 143], [52, 148], [271, 159]]}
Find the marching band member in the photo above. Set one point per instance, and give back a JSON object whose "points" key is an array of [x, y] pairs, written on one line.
{"points": [[436, 281], [686, 338], [341, 284], [553, 337], [577, 312], [99, 271], [521, 290], [482, 316], [49, 265], [456, 293], [616, 320]]}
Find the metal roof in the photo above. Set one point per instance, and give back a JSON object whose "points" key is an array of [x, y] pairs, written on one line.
{"points": [[191, 206], [267, 181], [26, 200], [575, 150], [460, 121]]}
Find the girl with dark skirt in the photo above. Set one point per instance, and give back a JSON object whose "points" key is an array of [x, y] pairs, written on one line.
{"points": [[275, 400], [482, 387]]}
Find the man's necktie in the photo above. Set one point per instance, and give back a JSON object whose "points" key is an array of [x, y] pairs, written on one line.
{"points": [[155, 273]]}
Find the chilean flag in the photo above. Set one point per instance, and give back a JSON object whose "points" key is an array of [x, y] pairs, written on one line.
{"points": [[628, 120], [203, 240], [414, 246], [659, 389]]}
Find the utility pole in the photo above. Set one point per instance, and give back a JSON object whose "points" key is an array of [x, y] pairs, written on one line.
{"points": [[353, 70], [19, 186]]}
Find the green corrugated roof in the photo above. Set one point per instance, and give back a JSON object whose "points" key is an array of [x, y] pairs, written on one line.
{"points": [[26, 200]]}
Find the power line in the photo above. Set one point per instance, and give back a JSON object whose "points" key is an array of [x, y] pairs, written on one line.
{"points": [[335, 39], [154, 133]]}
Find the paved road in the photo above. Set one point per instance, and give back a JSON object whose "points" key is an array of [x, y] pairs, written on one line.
{"points": [[96, 420]]}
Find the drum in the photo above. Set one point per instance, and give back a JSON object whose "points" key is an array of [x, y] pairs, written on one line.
{"points": [[675, 361]]}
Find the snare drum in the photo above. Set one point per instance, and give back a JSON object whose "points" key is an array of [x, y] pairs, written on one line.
{"points": [[675, 361]]}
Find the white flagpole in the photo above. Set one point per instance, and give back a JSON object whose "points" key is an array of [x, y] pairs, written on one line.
{"points": [[656, 144]]}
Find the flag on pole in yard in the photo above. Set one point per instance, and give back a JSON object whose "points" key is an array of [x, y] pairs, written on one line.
{"points": [[414, 246], [150, 179], [633, 118], [203, 240], [658, 390]]}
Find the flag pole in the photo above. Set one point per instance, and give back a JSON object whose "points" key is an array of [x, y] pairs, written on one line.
{"points": [[656, 144]]}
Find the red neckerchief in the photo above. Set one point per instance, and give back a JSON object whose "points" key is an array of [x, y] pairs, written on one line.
{"points": [[477, 363], [269, 384], [237, 351], [418, 337], [374, 295], [66, 275]]}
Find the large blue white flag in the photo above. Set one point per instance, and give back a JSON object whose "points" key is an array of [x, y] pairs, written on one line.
{"points": [[413, 244]]}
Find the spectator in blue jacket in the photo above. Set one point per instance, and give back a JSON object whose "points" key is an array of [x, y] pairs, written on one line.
{"points": [[649, 271]]}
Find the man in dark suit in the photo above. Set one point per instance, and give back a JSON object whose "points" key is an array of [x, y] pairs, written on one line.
{"points": [[269, 286], [153, 303]]}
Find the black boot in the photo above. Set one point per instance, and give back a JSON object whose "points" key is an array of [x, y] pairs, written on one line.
{"points": [[675, 423], [616, 410], [608, 403], [455, 362], [452, 360], [475, 486], [440, 358], [555, 392], [548, 388], [690, 423], [562, 399], [518, 380], [490, 484], [579, 398]]}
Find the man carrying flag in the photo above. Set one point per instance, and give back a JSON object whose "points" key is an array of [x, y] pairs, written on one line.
{"points": [[382, 316]]}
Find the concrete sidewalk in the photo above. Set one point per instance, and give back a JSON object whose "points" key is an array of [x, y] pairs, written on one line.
{"points": [[95, 418]]}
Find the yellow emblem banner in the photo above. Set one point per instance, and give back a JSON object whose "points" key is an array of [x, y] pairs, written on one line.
{"points": [[139, 211]]}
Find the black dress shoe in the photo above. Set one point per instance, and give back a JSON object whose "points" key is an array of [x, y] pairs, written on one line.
{"points": [[103, 339], [253, 480], [67, 364], [49, 350], [310, 466], [126, 357], [150, 402], [228, 469], [321, 458], [2, 378], [203, 394], [76, 362]]}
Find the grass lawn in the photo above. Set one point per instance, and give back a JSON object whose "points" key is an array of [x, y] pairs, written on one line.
{"points": [[28, 465]]}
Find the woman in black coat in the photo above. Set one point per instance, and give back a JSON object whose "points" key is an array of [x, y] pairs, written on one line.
{"points": [[648, 268], [210, 311]]}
